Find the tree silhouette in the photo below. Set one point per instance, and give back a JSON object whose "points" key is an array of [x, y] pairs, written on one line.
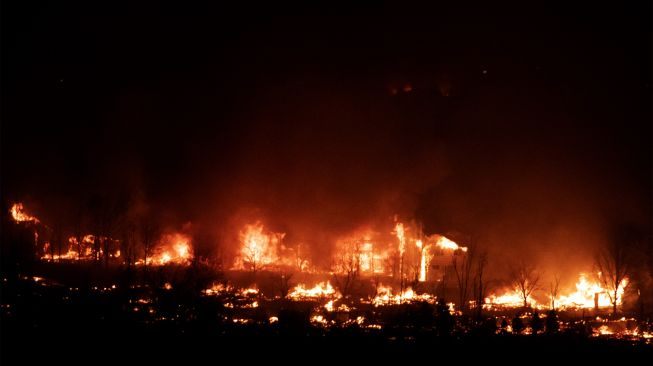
{"points": [[283, 282], [525, 279], [480, 283], [517, 324], [444, 319], [346, 268], [536, 323], [554, 287], [149, 234], [551, 324], [613, 264], [467, 268]]}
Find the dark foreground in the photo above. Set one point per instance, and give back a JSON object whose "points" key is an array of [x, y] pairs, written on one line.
{"points": [[57, 325], [129, 344]]}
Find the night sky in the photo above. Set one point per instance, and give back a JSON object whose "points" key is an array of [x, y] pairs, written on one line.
{"points": [[529, 127]]}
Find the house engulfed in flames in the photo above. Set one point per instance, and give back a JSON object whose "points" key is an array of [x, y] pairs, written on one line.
{"points": [[171, 248], [403, 255]]}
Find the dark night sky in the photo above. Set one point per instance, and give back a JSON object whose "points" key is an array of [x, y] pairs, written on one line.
{"points": [[528, 126]]}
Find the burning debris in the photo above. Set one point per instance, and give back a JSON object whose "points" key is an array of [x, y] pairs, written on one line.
{"points": [[590, 294], [385, 297], [172, 248], [19, 215], [321, 290]]}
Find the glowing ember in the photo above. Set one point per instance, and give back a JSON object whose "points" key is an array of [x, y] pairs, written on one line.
{"points": [[329, 306], [18, 213], [249, 291], [319, 320], [322, 289], [215, 289], [385, 297], [219, 289], [605, 330]]}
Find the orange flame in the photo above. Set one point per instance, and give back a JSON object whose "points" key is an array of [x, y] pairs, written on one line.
{"points": [[19, 215], [445, 243], [510, 298], [589, 294], [422, 261], [173, 249], [322, 289], [385, 297], [258, 248], [401, 235]]}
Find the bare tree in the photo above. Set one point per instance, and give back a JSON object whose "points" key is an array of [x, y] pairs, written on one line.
{"points": [[392, 262], [300, 260], [128, 243], [149, 232], [480, 283], [105, 212], [613, 264], [525, 279], [553, 290], [346, 267], [58, 238], [284, 283], [252, 258], [78, 232], [463, 267]]}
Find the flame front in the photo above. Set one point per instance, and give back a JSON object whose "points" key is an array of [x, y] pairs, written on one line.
{"points": [[511, 299], [384, 296], [590, 294], [322, 289]]}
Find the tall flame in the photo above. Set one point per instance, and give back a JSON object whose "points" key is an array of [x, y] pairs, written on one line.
{"points": [[258, 248], [401, 235], [422, 261]]}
